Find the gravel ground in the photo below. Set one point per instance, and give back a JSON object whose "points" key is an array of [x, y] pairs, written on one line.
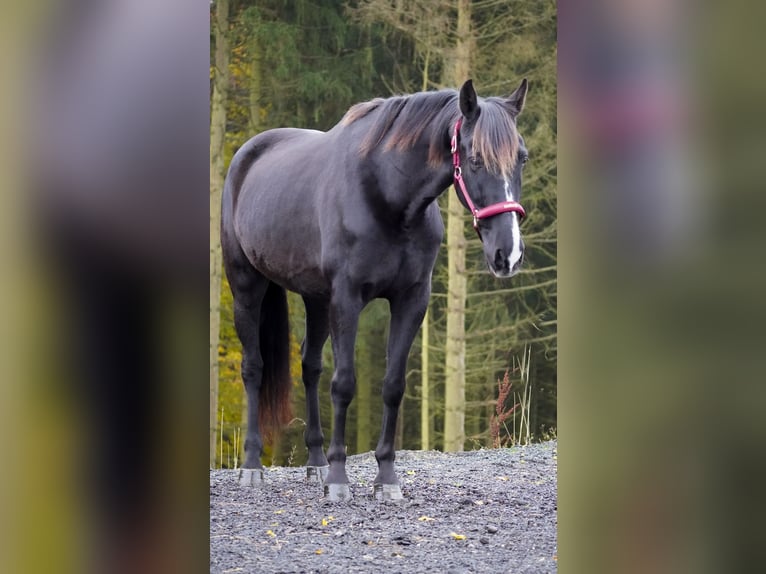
{"points": [[479, 511]]}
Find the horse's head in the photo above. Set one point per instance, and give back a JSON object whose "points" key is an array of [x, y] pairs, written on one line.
{"points": [[490, 155]]}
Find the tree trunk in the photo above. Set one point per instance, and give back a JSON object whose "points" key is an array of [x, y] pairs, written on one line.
{"points": [[365, 373], [217, 139], [255, 88], [425, 396], [425, 421], [399, 434], [454, 416]]}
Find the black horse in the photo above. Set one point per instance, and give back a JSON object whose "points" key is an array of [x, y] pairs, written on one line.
{"points": [[349, 215]]}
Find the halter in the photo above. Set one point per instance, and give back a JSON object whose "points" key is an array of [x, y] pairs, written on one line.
{"points": [[485, 212]]}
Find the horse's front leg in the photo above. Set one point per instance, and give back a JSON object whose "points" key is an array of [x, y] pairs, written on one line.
{"points": [[407, 312], [345, 308]]}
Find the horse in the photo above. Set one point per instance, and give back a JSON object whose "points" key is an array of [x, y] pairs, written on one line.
{"points": [[346, 216]]}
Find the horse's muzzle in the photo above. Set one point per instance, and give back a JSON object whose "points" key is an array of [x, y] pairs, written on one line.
{"points": [[505, 264]]}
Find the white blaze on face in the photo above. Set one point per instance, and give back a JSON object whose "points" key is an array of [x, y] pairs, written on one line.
{"points": [[515, 255]]}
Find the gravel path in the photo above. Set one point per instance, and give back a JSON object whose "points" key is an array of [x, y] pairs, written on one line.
{"points": [[479, 511]]}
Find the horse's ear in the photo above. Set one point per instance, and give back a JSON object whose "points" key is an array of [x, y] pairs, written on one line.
{"points": [[469, 101], [516, 99]]}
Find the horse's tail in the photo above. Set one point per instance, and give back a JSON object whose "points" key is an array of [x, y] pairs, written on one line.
{"points": [[273, 326], [274, 335]]}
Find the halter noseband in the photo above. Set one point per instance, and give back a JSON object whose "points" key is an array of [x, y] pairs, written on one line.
{"points": [[485, 212]]}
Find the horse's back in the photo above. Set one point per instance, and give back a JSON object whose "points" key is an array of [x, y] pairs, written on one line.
{"points": [[257, 148]]}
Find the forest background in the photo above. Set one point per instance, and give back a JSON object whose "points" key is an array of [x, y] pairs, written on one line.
{"points": [[482, 372]]}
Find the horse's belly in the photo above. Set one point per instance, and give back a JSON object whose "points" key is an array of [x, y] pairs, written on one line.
{"points": [[307, 282], [291, 270]]}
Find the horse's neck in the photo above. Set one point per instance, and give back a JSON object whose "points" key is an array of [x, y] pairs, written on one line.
{"points": [[408, 182], [413, 187]]}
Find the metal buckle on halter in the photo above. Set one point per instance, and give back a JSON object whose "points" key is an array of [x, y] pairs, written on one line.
{"points": [[453, 149], [476, 221], [458, 172]]}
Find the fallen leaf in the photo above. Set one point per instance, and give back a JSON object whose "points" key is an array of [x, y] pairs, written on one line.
{"points": [[270, 533], [278, 511], [411, 472], [479, 502], [425, 518], [318, 551], [502, 478], [457, 536]]}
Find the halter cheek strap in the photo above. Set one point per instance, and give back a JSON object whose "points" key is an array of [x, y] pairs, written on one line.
{"points": [[485, 212]]}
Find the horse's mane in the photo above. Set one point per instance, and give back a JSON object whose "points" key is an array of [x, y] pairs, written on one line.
{"points": [[404, 118]]}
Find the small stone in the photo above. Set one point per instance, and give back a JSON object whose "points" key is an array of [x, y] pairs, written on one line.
{"points": [[492, 529], [484, 540]]}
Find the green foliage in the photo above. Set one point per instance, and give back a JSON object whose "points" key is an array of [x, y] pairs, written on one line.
{"points": [[230, 390]]}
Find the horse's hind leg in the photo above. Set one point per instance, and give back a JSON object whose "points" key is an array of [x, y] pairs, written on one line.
{"points": [[407, 312], [317, 331], [249, 287]]}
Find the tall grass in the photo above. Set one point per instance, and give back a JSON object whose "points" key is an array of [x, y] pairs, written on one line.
{"points": [[520, 405]]}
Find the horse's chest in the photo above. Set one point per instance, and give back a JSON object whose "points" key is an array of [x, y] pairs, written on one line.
{"points": [[384, 267]]}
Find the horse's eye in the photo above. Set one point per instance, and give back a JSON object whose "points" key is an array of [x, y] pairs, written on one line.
{"points": [[524, 158], [475, 162]]}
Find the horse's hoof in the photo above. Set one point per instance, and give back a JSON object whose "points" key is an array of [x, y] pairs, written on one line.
{"points": [[316, 474], [337, 492], [388, 492], [250, 476]]}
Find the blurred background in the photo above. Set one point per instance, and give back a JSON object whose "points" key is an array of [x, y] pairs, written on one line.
{"points": [[106, 123], [661, 275], [105, 195]]}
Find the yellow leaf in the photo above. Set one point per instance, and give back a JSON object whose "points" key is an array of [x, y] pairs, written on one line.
{"points": [[502, 478], [278, 511], [318, 551], [325, 522], [425, 518], [457, 536], [411, 472], [270, 533]]}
